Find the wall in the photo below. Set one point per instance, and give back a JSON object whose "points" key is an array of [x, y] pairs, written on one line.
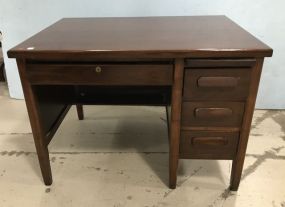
{"points": [[263, 18]]}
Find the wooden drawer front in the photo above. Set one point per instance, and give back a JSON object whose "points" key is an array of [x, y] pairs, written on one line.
{"points": [[101, 74], [208, 144], [212, 114], [216, 84], [218, 63]]}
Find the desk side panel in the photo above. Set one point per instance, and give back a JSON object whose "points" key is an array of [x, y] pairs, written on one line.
{"points": [[53, 103]]}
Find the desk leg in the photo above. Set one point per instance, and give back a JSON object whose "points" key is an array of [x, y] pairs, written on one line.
{"points": [[80, 112], [238, 161], [175, 121], [36, 124]]}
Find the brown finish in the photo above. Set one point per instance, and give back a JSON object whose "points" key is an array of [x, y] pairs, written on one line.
{"points": [[219, 63], [212, 114], [123, 95], [209, 128], [142, 36], [56, 124], [238, 161], [229, 84], [50, 111], [80, 113], [100, 74], [168, 115], [36, 123], [212, 141], [205, 69], [175, 124], [224, 82], [208, 145], [2, 76]]}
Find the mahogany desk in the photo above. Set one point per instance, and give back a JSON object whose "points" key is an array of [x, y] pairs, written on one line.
{"points": [[205, 69]]}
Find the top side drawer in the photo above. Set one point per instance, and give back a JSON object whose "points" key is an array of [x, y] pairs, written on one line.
{"points": [[219, 63], [100, 74], [217, 79], [216, 84]]}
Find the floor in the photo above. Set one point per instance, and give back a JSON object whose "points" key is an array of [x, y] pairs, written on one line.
{"points": [[118, 156]]}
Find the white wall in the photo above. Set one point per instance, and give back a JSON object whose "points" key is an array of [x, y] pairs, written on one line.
{"points": [[263, 18]]}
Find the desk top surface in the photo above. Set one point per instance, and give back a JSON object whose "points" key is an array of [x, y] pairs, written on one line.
{"points": [[181, 36]]}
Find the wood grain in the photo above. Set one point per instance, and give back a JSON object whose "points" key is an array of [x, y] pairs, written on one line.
{"points": [[208, 36], [212, 114], [36, 124], [212, 141], [208, 144], [218, 82], [246, 124], [219, 62], [175, 121], [211, 90], [80, 113], [107, 74], [229, 84]]}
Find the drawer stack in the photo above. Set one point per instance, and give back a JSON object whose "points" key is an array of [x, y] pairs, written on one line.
{"points": [[214, 95]]}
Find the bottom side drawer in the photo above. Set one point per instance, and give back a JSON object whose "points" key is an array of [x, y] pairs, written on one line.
{"points": [[208, 145]]}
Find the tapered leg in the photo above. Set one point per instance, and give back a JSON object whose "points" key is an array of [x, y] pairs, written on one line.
{"points": [[235, 174], [238, 161], [175, 121], [43, 156], [167, 111], [36, 124], [80, 112]]}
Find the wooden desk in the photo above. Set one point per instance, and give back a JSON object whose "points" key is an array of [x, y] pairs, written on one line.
{"points": [[206, 69]]}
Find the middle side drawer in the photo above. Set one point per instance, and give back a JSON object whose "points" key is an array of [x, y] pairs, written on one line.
{"points": [[212, 114]]}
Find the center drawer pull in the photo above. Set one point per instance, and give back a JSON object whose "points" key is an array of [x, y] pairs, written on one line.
{"points": [[229, 82], [98, 69], [211, 141], [213, 112]]}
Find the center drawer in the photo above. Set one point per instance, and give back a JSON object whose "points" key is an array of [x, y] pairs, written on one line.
{"points": [[101, 74]]}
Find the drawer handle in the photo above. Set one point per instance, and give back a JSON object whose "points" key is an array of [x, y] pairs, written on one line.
{"points": [[227, 82], [210, 141], [98, 69], [213, 112]]}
